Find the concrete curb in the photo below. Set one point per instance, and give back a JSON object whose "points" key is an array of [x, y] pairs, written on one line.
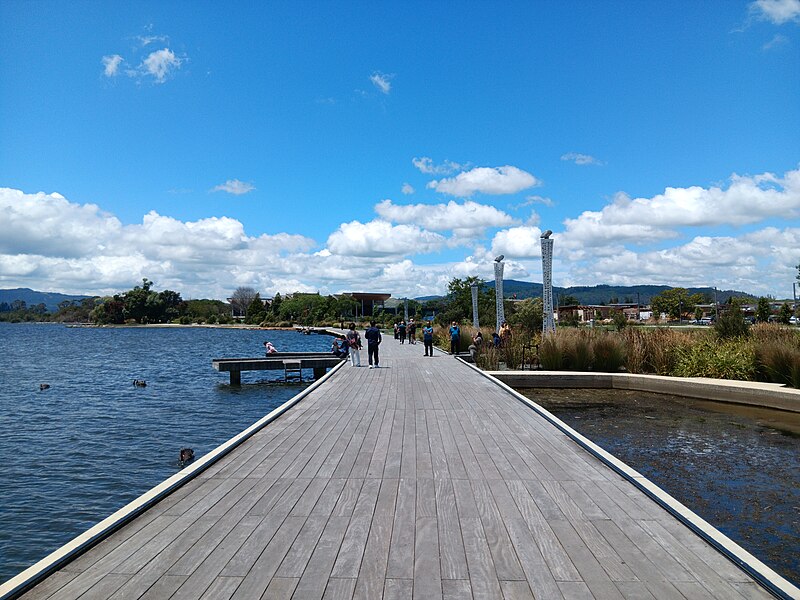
{"points": [[764, 575], [71, 550], [765, 395]]}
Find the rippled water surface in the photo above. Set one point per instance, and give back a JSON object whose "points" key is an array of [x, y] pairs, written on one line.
{"points": [[73, 454], [738, 468]]}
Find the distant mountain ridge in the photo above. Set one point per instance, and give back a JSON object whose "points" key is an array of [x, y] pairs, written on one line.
{"points": [[31, 297], [601, 294]]}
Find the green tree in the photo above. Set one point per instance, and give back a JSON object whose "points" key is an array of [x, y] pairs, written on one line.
{"points": [[457, 306], [675, 303], [568, 300], [275, 306], [528, 315], [785, 313], [255, 312], [763, 310], [619, 320], [731, 322]]}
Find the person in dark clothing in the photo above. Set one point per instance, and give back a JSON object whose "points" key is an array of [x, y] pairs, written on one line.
{"points": [[412, 332], [401, 331], [427, 338], [373, 337]]}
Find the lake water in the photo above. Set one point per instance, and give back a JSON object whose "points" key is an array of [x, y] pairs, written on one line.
{"points": [[74, 453], [737, 467]]}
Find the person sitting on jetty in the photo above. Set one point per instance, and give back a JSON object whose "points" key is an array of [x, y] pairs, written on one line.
{"points": [[339, 347], [269, 348]]}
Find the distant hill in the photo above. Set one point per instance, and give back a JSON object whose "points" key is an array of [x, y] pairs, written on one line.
{"points": [[600, 294], [32, 297]]}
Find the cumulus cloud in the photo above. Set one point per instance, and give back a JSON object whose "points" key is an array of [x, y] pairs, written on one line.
{"points": [[380, 238], [469, 216], [746, 200], [234, 186], [427, 166], [382, 81], [161, 64], [487, 180], [581, 159], [407, 189], [111, 64], [776, 11], [518, 242]]}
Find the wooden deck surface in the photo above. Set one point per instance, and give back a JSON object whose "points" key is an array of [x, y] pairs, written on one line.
{"points": [[420, 480]]}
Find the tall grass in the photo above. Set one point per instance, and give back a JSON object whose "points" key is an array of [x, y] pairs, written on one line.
{"points": [[769, 352], [608, 353]]}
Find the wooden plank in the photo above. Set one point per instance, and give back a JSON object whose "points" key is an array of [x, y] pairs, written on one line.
{"points": [[314, 580], [427, 574], [401, 547], [482, 574]]}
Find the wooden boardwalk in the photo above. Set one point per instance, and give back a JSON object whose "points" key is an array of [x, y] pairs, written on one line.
{"points": [[420, 480]]}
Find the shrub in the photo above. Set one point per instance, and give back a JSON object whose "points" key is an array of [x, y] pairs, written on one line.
{"points": [[731, 323], [608, 352], [733, 359]]}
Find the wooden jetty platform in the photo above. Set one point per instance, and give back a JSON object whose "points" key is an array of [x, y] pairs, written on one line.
{"points": [[423, 479], [287, 362]]}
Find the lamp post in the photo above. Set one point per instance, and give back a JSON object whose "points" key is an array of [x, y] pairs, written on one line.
{"points": [[474, 289], [548, 324], [405, 309], [498, 290]]}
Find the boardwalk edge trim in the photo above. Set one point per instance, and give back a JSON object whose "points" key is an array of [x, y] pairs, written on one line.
{"points": [[34, 574], [763, 574]]}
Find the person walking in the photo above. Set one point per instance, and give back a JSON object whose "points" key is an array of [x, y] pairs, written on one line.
{"points": [[455, 338], [427, 338], [373, 337], [412, 331], [354, 341], [401, 330]]}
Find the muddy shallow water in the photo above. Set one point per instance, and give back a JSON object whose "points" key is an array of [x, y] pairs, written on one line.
{"points": [[737, 467]]}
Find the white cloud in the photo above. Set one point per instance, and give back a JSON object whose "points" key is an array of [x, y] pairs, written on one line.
{"points": [[234, 186], [531, 200], [487, 180], [382, 82], [111, 64], [776, 11], [747, 200], [146, 40], [161, 64], [469, 216], [426, 165], [581, 159], [518, 242], [380, 238], [407, 189], [777, 41]]}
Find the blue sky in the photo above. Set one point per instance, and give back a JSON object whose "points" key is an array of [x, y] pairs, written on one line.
{"points": [[390, 147]]}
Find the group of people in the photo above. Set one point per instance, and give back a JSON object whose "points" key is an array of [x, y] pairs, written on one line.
{"points": [[349, 345], [403, 330], [498, 339]]}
